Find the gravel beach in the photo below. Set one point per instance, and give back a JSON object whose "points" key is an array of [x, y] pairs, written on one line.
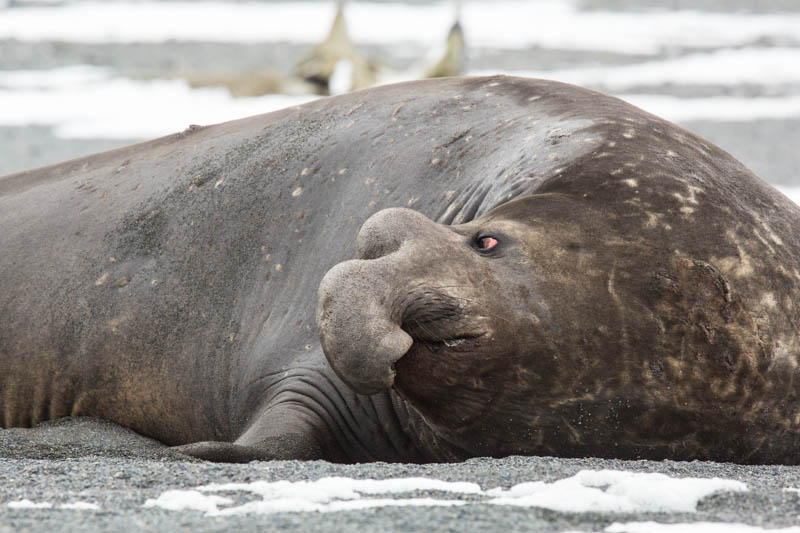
{"points": [[119, 471]]}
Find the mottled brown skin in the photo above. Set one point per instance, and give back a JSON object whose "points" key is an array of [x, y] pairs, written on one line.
{"points": [[638, 304], [580, 337]]}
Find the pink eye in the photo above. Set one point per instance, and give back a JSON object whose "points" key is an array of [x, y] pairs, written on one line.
{"points": [[487, 243]]}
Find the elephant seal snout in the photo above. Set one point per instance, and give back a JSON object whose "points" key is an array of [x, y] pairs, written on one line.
{"points": [[359, 315], [361, 340]]}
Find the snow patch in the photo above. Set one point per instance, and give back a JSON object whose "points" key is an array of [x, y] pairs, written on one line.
{"points": [[694, 527], [756, 66], [616, 492], [181, 500], [51, 79], [28, 504], [330, 494], [587, 491], [557, 23], [345, 488], [80, 506], [88, 102], [718, 108], [75, 506], [284, 505]]}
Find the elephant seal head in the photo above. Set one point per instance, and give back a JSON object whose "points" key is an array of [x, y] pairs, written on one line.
{"points": [[547, 326], [467, 322]]}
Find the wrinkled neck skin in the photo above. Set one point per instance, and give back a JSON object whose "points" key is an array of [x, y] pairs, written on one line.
{"points": [[349, 427]]}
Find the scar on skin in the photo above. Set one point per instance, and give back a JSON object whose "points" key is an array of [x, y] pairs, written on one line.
{"points": [[768, 300], [738, 266], [771, 234], [691, 198]]}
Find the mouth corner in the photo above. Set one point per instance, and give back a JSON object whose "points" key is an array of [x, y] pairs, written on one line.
{"points": [[453, 343]]}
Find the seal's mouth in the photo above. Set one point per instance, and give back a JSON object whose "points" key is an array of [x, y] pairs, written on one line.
{"points": [[432, 362], [433, 353], [457, 343], [443, 331], [437, 324]]}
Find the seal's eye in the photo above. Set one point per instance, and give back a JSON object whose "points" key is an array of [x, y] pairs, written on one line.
{"points": [[486, 242]]}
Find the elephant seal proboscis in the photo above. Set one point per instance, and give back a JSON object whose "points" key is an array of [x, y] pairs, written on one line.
{"points": [[543, 270]]}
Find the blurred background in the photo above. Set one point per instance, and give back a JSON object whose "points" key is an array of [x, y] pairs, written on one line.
{"points": [[77, 77]]}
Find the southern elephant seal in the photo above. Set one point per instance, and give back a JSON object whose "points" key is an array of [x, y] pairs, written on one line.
{"points": [[575, 277]]}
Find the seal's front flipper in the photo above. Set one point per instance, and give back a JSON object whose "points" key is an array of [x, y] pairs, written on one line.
{"points": [[282, 447], [220, 452]]}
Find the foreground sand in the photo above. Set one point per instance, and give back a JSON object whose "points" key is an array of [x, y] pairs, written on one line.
{"points": [[90, 461]]}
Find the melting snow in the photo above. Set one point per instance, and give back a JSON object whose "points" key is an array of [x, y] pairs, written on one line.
{"points": [[756, 66], [596, 491], [80, 506], [616, 492], [329, 494], [694, 527], [27, 504], [718, 108], [557, 23], [86, 102], [179, 500], [89, 102]]}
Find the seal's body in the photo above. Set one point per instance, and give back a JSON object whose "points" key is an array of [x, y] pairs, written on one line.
{"points": [[577, 277]]}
